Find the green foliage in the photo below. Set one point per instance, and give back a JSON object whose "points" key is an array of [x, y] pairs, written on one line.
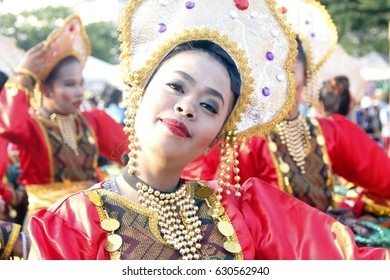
{"points": [[31, 27], [362, 24]]}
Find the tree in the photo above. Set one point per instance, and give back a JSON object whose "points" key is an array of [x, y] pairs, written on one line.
{"points": [[31, 27], [362, 24]]}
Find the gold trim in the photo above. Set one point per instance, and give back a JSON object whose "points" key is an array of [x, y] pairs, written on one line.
{"points": [[212, 199], [13, 237]]}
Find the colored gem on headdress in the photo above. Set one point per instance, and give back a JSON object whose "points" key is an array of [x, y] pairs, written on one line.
{"points": [[283, 10], [307, 21], [266, 91], [162, 27], [312, 34], [163, 3], [270, 56], [242, 4], [233, 14], [254, 114], [71, 28], [190, 4]]}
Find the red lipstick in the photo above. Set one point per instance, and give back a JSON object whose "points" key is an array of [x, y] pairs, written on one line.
{"points": [[176, 127]]}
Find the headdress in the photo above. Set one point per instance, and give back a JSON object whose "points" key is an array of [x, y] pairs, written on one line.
{"points": [[251, 32], [69, 40], [314, 26]]}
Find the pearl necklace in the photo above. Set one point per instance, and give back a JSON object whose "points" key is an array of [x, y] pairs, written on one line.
{"points": [[177, 216], [67, 128], [295, 135]]}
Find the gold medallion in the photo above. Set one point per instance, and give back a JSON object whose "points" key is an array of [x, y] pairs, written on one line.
{"points": [[225, 228], [91, 140], [284, 167], [95, 198], [314, 121], [114, 242], [203, 192], [232, 247], [110, 224], [325, 159], [320, 140], [272, 146]]}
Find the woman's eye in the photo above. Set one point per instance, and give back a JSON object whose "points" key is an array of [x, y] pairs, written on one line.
{"points": [[176, 87], [209, 107]]}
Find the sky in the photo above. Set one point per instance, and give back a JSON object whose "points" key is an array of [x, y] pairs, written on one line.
{"points": [[102, 9]]}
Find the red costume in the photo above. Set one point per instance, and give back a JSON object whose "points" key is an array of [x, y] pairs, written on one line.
{"points": [[261, 219]]}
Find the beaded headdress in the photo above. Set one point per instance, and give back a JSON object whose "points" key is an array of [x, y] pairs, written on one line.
{"points": [[314, 26], [251, 32]]}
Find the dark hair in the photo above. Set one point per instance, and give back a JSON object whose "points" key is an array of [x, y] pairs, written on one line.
{"points": [[54, 73], [335, 95], [3, 79], [301, 55], [216, 52]]}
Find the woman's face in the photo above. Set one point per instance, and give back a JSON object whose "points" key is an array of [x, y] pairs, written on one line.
{"points": [[65, 94], [185, 106], [299, 73]]}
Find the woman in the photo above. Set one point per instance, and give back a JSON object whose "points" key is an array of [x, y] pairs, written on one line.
{"points": [[149, 212], [57, 144], [335, 96]]}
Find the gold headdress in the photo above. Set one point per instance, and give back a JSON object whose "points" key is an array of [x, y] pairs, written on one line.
{"points": [[251, 32], [314, 26], [70, 39]]}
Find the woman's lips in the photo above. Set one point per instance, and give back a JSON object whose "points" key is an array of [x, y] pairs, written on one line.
{"points": [[176, 127]]}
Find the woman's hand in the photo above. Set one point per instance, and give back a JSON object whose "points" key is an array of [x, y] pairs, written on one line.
{"points": [[32, 60]]}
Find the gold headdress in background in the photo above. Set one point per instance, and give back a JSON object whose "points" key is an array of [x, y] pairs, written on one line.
{"points": [[70, 39], [314, 26]]}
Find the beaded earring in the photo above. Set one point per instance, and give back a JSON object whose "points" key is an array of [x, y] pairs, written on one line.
{"points": [[132, 98], [227, 157]]}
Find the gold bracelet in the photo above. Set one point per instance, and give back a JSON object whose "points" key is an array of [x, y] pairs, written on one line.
{"points": [[27, 72]]}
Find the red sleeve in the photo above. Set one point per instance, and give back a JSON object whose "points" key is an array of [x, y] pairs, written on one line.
{"points": [[355, 156], [283, 227], [14, 117], [254, 161], [69, 230], [111, 139]]}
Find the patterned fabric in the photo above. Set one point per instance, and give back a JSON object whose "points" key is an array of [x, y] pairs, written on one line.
{"points": [[315, 187], [141, 236], [66, 165]]}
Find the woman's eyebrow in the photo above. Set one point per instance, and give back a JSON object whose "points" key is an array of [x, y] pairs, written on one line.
{"points": [[208, 90]]}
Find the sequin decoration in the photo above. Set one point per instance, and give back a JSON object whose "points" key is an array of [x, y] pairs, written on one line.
{"points": [[254, 114], [163, 3], [190, 4], [254, 15], [233, 14]]}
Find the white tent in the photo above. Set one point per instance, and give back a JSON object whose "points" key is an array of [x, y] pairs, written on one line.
{"points": [[341, 63], [98, 73], [374, 68]]}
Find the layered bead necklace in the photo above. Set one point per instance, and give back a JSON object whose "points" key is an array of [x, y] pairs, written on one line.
{"points": [[177, 216], [295, 135]]}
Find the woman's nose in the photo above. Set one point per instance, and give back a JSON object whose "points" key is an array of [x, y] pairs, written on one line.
{"points": [[186, 108]]}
